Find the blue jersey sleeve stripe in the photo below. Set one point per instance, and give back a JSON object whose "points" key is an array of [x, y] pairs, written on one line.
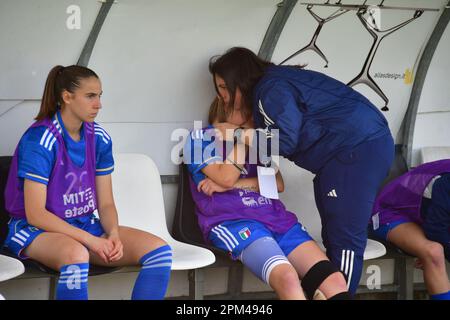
{"points": [[98, 128], [44, 136], [47, 140], [36, 178], [104, 173], [51, 144], [106, 169], [197, 134], [57, 125], [101, 135]]}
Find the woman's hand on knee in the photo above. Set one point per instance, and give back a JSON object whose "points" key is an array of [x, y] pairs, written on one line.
{"points": [[102, 247], [117, 251]]}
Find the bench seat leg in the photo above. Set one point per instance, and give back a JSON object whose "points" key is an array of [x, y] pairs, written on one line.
{"points": [[196, 282], [235, 278], [404, 269], [52, 288]]}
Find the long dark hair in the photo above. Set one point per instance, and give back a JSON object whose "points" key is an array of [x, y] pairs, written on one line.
{"points": [[239, 68], [59, 79], [217, 112]]}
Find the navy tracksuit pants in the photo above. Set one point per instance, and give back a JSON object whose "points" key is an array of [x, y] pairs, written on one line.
{"points": [[345, 191]]}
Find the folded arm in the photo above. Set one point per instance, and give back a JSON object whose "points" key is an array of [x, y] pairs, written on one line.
{"points": [[253, 185], [226, 174]]}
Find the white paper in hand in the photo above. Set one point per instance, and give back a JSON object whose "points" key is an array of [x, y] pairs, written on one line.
{"points": [[267, 182]]}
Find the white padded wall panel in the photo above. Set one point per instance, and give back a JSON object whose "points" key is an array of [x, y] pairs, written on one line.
{"points": [[8, 105], [436, 90], [14, 123], [153, 55], [432, 130], [433, 118], [346, 43], [34, 37], [429, 154], [152, 139]]}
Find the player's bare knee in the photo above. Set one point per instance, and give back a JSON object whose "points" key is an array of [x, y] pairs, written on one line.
{"points": [[321, 275], [74, 253], [285, 276], [434, 254], [336, 280], [150, 243], [155, 242]]}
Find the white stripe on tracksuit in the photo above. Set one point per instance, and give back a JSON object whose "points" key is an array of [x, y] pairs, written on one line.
{"points": [[267, 120], [347, 264]]}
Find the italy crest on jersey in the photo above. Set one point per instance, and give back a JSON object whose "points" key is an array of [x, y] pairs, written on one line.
{"points": [[244, 233]]}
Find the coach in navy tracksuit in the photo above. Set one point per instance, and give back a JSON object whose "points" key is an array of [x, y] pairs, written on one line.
{"points": [[325, 127]]}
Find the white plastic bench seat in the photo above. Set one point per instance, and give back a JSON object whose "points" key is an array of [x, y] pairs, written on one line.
{"points": [[187, 256], [374, 249], [429, 154], [10, 268], [139, 200]]}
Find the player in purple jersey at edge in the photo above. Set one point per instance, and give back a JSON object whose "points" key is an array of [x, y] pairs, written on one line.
{"points": [[258, 231], [59, 194], [413, 212]]}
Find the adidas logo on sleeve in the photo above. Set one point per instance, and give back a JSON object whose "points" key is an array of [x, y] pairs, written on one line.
{"points": [[332, 194]]}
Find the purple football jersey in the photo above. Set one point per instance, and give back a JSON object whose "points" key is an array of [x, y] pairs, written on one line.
{"points": [[402, 197], [240, 204], [70, 190]]}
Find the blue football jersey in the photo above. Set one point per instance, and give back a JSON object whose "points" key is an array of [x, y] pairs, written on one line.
{"points": [[38, 149]]}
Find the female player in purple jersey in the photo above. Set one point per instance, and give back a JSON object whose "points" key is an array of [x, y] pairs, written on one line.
{"points": [[413, 212], [258, 231], [54, 210]]}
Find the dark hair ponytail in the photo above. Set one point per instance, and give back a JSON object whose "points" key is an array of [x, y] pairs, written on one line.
{"points": [[59, 79]]}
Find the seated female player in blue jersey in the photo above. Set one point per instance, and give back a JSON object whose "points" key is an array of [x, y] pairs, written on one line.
{"points": [[413, 212], [258, 231], [60, 181]]}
